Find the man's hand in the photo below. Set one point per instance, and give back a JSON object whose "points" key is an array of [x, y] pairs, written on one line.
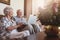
{"points": [[20, 24]]}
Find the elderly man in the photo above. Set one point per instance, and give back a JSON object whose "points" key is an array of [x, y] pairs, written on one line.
{"points": [[11, 25], [21, 20]]}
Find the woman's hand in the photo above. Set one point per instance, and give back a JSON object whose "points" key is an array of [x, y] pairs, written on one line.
{"points": [[10, 28]]}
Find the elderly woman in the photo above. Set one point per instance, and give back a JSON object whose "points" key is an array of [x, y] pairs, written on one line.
{"points": [[11, 25]]}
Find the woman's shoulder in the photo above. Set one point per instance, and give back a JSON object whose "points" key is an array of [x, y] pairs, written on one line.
{"points": [[3, 18]]}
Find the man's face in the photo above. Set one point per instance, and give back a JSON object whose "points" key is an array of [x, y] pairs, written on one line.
{"points": [[19, 13]]}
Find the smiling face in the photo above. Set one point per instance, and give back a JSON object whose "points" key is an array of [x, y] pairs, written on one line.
{"points": [[10, 13], [19, 13]]}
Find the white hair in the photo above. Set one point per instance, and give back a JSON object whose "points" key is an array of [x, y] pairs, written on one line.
{"points": [[7, 9]]}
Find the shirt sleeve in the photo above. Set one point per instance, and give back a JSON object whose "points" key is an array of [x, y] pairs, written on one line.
{"points": [[5, 23]]}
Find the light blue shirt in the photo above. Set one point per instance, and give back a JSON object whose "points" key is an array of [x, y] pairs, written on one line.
{"points": [[20, 20]]}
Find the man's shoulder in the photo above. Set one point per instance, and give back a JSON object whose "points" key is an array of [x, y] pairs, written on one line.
{"points": [[14, 16]]}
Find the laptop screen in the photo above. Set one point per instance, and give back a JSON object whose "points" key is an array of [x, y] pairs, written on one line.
{"points": [[32, 19]]}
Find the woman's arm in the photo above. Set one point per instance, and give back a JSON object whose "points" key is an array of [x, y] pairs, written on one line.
{"points": [[10, 28]]}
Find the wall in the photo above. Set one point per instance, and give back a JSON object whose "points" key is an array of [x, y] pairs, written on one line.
{"points": [[39, 3], [36, 4], [2, 6], [17, 4]]}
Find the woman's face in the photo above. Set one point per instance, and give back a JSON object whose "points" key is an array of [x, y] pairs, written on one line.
{"points": [[10, 13]]}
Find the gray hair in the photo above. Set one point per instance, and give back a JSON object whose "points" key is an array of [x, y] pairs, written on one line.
{"points": [[7, 9]]}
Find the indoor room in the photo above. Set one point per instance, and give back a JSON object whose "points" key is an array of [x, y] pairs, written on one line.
{"points": [[29, 19]]}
